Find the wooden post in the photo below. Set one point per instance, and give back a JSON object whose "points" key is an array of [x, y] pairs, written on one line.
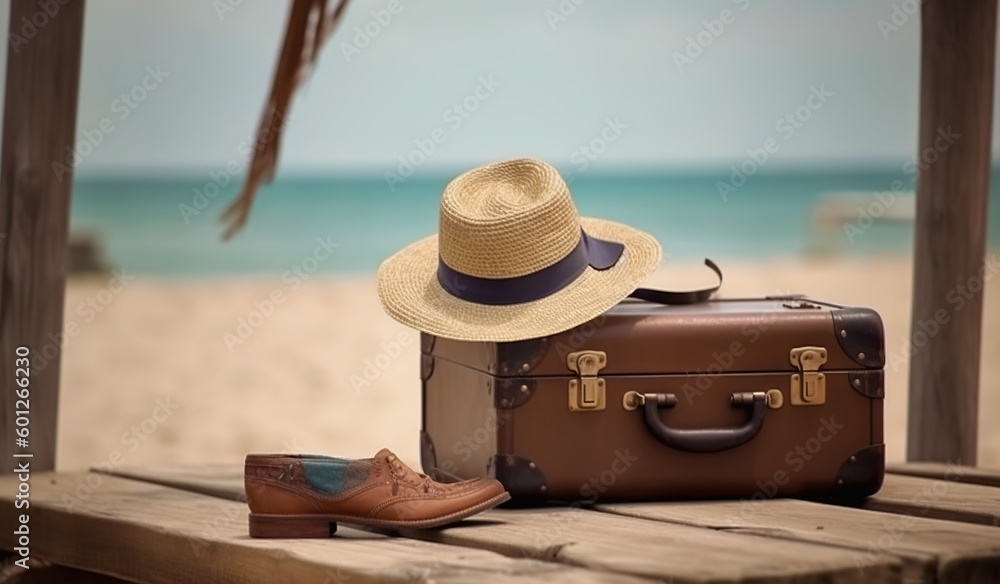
{"points": [[43, 72], [956, 107]]}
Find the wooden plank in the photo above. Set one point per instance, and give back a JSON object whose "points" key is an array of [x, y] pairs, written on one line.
{"points": [[922, 497], [42, 573], [951, 472], [39, 121], [223, 481], [956, 113], [148, 533], [578, 537], [216, 480], [939, 499], [675, 553], [931, 550]]}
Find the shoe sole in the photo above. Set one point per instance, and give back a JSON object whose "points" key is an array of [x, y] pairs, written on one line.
{"points": [[270, 525]]}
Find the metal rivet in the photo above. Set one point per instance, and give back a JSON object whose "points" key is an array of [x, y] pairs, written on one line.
{"points": [[840, 482], [525, 367], [543, 488], [531, 465], [854, 459], [843, 333], [857, 383], [524, 389], [861, 355]]}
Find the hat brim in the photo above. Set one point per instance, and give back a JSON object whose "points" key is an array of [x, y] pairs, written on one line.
{"points": [[410, 292]]}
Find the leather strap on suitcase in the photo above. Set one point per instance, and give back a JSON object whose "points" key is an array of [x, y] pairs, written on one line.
{"points": [[670, 297]]}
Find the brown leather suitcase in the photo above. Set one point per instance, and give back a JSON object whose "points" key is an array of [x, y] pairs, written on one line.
{"points": [[729, 398]]}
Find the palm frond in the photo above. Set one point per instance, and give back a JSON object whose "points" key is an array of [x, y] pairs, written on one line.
{"points": [[309, 27]]}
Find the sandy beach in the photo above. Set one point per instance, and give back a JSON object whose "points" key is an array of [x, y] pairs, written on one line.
{"points": [[198, 371]]}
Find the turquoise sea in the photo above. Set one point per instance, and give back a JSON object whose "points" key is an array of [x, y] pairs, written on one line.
{"points": [[144, 229]]}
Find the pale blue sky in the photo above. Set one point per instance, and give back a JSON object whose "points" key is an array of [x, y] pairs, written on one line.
{"points": [[556, 86]]}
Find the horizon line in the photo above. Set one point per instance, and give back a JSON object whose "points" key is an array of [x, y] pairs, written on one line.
{"points": [[368, 173]]}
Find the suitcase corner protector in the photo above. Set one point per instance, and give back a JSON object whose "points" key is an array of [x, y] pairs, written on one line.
{"points": [[861, 475], [868, 382], [512, 392], [519, 357], [521, 477], [861, 335]]}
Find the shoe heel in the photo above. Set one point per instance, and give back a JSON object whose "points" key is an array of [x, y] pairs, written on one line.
{"points": [[290, 526]]}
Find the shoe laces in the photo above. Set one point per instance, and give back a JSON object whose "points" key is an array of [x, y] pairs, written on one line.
{"points": [[404, 475]]}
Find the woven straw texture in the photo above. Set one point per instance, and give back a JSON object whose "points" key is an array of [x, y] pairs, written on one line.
{"points": [[505, 220]]}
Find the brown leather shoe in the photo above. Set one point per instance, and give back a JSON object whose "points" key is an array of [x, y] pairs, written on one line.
{"points": [[305, 496]]}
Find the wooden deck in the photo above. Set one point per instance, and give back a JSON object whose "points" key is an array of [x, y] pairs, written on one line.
{"points": [[930, 523]]}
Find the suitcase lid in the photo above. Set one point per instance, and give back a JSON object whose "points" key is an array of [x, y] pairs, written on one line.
{"points": [[707, 338]]}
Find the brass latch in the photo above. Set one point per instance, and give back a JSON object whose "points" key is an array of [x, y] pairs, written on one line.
{"points": [[808, 385], [586, 393]]}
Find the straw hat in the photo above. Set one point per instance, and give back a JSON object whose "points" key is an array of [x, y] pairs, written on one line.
{"points": [[513, 260]]}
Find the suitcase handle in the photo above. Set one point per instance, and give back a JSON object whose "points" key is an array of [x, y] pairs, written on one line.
{"points": [[689, 297], [707, 439]]}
